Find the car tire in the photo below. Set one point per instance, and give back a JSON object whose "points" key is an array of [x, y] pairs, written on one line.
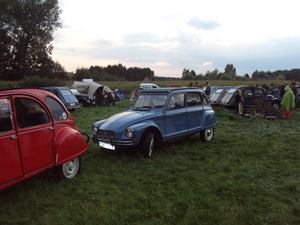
{"points": [[147, 147], [207, 135], [82, 103], [69, 169], [276, 105]]}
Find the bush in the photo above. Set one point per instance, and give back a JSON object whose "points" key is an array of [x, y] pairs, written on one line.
{"points": [[37, 81]]}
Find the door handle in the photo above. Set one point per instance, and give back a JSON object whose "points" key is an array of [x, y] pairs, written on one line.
{"points": [[14, 137], [51, 128]]}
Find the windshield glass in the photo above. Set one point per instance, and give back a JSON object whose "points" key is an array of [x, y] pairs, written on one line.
{"points": [[150, 101]]}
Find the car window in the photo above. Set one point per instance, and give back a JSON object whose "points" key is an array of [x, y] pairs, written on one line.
{"points": [[66, 92], [56, 108], [30, 113], [150, 101], [5, 116], [248, 92], [176, 101], [257, 92], [193, 99]]}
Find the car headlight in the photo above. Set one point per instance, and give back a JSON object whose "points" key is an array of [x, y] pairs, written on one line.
{"points": [[95, 128], [129, 133]]}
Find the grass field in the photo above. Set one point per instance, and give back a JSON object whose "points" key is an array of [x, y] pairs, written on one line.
{"points": [[249, 174]]}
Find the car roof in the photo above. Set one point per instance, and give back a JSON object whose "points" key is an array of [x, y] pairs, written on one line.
{"points": [[170, 89]]}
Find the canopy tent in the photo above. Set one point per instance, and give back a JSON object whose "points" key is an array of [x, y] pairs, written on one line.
{"points": [[89, 87]]}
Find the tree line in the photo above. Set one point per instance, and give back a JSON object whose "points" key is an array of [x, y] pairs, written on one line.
{"points": [[230, 74], [114, 73]]}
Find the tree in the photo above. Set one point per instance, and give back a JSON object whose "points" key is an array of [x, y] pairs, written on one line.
{"points": [[230, 69], [26, 32]]}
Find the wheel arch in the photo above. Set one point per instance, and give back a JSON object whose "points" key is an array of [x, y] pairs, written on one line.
{"points": [[68, 144]]}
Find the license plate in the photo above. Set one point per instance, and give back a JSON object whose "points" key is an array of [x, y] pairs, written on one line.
{"points": [[106, 145]]}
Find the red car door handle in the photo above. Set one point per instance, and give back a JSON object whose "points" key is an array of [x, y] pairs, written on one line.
{"points": [[14, 137]]}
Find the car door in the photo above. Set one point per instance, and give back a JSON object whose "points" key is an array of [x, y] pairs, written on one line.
{"points": [[176, 120], [10, 161], [248, 97], [195, 111], [34, 133]]}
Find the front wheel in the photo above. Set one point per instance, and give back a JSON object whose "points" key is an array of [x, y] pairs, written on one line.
{"points": [[69, 169], [207, 135], [148, 145]]}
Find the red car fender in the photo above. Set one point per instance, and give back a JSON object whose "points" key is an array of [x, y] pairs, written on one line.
{"points": [[69, 144]]}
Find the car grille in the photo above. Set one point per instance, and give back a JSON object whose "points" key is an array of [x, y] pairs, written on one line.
{"points": [[106, 135]]}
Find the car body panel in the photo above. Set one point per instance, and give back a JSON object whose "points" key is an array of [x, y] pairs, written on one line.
{"points": [[31, 143], [170, 113]]}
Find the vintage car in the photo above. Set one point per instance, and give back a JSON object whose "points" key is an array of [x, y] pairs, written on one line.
{"points": [[250, 94], [66, 96], [216, 97], [84, 100], [37, 132], [213, 89], [157, 116]]}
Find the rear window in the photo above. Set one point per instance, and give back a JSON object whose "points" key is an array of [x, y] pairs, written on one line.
{"points": [[57, 109]]}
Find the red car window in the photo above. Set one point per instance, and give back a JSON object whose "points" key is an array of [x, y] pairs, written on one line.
{"points": [[57, 110], [30, 113]]}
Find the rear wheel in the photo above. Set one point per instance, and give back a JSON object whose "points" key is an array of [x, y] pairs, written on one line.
{"points": [[69, 169], [276, 105], [207, 135], [148, 145]]}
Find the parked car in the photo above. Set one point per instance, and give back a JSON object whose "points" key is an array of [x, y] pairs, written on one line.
{"points": [[83, 99], [216, 97], [148, 86], [297, 103], [37, 132], [250, 94], [213, 89], [157, 116], [66, 96]]}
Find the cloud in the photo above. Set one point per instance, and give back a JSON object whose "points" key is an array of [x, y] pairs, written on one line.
{"points": [[197, 23]]}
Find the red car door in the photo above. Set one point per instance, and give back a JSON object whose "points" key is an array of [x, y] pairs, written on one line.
{"points": [[35, 134], [10, 162]]}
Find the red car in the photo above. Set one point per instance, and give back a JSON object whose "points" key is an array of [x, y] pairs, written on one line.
{"points": [[37, 132]]}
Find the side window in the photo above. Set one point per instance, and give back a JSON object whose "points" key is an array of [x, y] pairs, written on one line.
{"points": [[30, 113], [193, 99], [248, 92], [257, 92], [176, 102], [5, 116], [57, 110]]}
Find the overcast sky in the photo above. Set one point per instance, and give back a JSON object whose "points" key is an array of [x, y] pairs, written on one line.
{"points": [[168, 36]]}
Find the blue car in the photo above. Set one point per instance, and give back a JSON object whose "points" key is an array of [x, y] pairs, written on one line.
{"points": [[157, 116], [66, 96]]}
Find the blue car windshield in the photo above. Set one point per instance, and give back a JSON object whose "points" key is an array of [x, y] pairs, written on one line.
{"points": [[150, 101]]}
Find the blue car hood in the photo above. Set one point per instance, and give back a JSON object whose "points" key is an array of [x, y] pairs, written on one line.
{"points": [[121, 121]]}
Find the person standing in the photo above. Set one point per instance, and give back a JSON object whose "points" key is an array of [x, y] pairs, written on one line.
{"points": [[196, 84], [287, 103], [272, 88], [207, 89], [282, 89], [239, 99]]}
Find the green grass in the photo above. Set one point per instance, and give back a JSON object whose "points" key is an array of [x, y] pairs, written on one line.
{"points": [[249, 174]]}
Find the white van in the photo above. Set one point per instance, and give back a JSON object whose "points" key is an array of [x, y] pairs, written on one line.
{"points": [[148, 86]]}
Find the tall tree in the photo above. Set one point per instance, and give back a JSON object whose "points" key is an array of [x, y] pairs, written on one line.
{"points": [[26, 32]]}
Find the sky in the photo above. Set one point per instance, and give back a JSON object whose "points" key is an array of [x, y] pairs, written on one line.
{"points": [[170, 36]]}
